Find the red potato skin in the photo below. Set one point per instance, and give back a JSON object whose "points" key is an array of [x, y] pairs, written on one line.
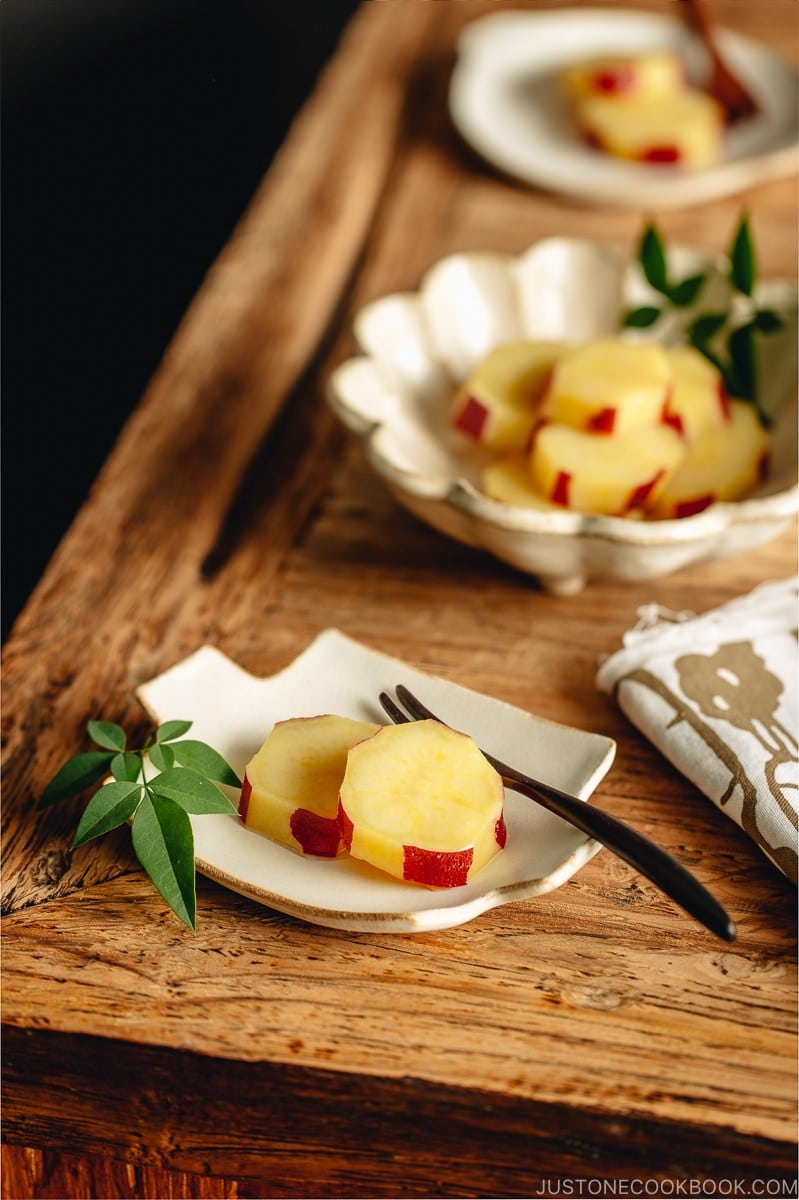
{"points": [[560, 492], [620, 79], [471, 418], [434, 868], [661, 154], [639, 496], [444, 869], [316, 835], [675, 420], [724, 401], [689, 508], [603, 421], [671, 418], [244, 800]]}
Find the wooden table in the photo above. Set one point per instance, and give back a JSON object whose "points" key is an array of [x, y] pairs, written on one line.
{"points": [[594, 1033]]}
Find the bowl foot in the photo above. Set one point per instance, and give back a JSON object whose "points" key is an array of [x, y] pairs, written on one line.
{"points": [[562, 585]]}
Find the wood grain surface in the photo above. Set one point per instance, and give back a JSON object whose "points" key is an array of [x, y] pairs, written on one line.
{"points": [[594, 1032]]}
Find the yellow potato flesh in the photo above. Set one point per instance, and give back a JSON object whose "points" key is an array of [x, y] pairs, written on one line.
{"points": [[609, 386], [724, 463], [632, 429], [614, 475], [697, 401], [684, 128], [652, 74], [421, 802], [508, 479], [496, 405]]}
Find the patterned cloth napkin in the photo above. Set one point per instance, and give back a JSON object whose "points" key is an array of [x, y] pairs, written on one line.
{"points": [[717, 694]]}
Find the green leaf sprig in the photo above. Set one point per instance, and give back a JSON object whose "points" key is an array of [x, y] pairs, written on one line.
{"points": [[725, 340], [158, 807]]}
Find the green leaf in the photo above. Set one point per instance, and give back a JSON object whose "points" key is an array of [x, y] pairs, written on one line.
{"points": [[109, 807], [192, 791], [652, 256], [126, 766], [742, 259], [164, 845], [172, 729], [684, 293], [206, 761], [162, 757], [767, 321], [743, 358], [737, 359], [75, 776], [703, 328], [641, 318], [107, 734]]}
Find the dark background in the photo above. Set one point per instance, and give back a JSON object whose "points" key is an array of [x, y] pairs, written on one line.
{"points": [[134, 133]]}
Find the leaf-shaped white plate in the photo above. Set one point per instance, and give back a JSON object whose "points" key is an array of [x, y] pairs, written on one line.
{"points": [[233, 711], [416, 347], [506, 103]]}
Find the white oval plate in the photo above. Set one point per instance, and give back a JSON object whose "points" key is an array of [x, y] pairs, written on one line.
{"points": [[506, 103], [233, 711]]}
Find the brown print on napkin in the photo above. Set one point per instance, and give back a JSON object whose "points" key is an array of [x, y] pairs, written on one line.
{"points": [[734, 684]]}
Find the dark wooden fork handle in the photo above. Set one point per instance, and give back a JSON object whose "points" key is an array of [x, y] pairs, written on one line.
{"points": [[726, 87]]}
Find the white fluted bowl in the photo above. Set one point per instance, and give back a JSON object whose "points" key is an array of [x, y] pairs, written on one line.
{"points": [[417, 347]]}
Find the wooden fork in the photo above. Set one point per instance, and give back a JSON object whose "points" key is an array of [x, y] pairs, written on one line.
{"points": [[725, 87], [653, 862]]}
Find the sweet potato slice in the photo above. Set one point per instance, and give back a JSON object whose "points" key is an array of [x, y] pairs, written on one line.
{"points": [[422, 803], [608, 386], [290, 791], [724, 463], [496, 406], [616, 476]]}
